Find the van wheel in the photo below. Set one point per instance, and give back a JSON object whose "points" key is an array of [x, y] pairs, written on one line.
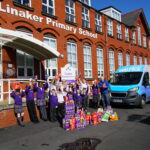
{"points": [[142, 102]]}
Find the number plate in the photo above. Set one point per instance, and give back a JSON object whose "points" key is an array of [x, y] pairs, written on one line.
{"points": [[117, 100]]}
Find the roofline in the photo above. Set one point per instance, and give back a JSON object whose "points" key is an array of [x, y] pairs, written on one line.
{"points": [[110, 7]]}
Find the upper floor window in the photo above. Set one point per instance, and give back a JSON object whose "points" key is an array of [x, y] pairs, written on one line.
{"points": [[24, 2], [87, 2], [126, 34], [144, 41], [48, 7], [119, 33], [110, 27], [134, 37], [70, 10], [98, 22], [139, 36], [85, 17]]}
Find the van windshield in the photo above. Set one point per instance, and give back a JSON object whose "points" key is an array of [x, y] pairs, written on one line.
{"points": [[127, 78]]}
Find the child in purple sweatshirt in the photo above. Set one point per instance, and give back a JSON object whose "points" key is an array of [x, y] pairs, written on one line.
{"points": [[53, 101], [17, 96]]}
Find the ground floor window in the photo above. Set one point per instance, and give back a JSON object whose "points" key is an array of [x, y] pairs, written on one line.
{"points": [[120, 59], [135, 60], [51, 67], [111, 62], [87, 62], [25, 65], [72, 55], [141, 60], [100, 62], [145, 60], [127, 59]]}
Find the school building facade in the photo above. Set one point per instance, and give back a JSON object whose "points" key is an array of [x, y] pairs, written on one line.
{"points": [[38, 38]]}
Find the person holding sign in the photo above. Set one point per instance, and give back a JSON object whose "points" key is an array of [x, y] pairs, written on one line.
{"points": [[104, 85]]}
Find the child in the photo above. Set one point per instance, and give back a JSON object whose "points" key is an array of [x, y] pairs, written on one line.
{"points": [[95, 94], [53, 99], [41, 102], [78, 99], [30, 103], [17, 96], [84, 98]]}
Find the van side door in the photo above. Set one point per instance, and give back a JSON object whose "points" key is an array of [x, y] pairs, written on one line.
{"points": [[146, 84]]}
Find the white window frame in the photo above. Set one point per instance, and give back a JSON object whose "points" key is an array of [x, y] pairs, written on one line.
{"points": [[141, 60], [85, 17], [87, 61], [111, 61], [135, 59], [139, 36], [144, 41], [49, 70], [134, 37], [72, 61], [145, 60], [110, 27], [126, 34], [23, 3], [100, 61], [98, 22], [71, 10], [119, 32], [127, 58], [87, 2], [120, 58], [48, 6], [25, 61]]}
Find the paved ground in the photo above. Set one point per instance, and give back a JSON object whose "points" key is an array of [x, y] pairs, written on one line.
{"points": [[131, 132]]}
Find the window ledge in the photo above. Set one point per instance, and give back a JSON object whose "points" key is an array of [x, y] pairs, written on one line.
{"points": [[23, 6], [49, 15], [87, 28], [99, 32], [119, 39], [89, 79], [111, 36], [72, 23]]}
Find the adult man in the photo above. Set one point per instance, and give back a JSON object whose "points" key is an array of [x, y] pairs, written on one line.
{"points": [[104, 85]]}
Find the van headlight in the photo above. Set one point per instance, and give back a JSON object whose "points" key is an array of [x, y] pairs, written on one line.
{"points": [[134, 89]]}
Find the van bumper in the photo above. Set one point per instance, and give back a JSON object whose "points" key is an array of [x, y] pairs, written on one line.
{"points": [[129, 98]]}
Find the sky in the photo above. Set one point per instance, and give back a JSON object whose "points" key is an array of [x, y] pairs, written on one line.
{"points": [[124, 6]]}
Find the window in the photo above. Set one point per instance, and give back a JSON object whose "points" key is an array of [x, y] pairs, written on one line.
{"points": [[48, 7], [141, 60], [144, 41], [100, 61], [139, 36], [87, 61], [98, 22], [25, 65], [134, 37], [120, 59], [111, 61], [145, 60], [85, 17], [72, 55], [126, 34], [87, 2], [110, 27], [127, 59], [51, 64], [135, 60], [24, 2], [70, 10], [119, 33], [25, 62]]}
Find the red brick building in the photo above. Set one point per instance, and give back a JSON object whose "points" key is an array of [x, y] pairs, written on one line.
{"points": [[94, 42]]}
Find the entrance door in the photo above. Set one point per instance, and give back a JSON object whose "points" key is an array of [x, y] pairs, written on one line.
{"points": [[0, 74]]}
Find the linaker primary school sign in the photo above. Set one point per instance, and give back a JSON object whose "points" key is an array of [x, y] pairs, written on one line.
{"points": [[26, 14]]}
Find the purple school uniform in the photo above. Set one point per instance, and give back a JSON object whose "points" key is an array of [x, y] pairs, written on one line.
{"points": [[95, 89], [53, 100], [18, 102], [78, 99], [29, 94]]}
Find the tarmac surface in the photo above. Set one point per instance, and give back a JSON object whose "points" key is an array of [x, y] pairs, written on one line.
{"points": [[131, 132]]}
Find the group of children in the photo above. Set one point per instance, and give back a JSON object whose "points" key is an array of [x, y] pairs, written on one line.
{"points": [[58, 91]]}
